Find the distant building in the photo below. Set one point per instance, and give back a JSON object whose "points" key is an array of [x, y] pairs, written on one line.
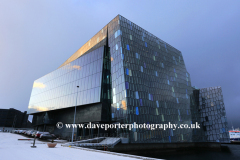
{"points": [[211, 114], [14, 118]]}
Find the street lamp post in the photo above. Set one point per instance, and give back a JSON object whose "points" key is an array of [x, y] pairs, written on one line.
{"points": [[74, 115]]}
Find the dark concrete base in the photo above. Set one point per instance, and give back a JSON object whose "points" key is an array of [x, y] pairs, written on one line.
{"points": [[228, 152], [165, 148]]}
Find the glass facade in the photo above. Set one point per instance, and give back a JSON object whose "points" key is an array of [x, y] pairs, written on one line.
{"points": [[213, 114], [58, 89], [137, 77], [93, 42], [119, 100], [151, 84]]}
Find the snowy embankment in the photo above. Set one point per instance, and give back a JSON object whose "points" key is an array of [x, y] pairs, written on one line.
{"points": [[12, 148]]}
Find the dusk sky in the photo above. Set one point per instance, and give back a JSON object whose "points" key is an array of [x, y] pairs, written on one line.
{"points": [[36, 37]]}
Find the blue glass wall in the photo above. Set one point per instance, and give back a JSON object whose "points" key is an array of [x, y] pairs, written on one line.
{"points": [[119, 101], [58, 89], [156, 82], [213, 114]]}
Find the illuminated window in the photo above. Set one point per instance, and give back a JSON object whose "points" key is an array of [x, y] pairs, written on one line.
{"points": [[117, 33], [141, 69], [130, 72], [137, 55], [162, 65], [157, 103], [128, 47], [136, 95], [150, 97], [137, 112], [127, 85], [130, 37]]}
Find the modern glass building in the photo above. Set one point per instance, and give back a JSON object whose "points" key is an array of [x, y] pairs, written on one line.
{"points": [[211, 115], [125, 75]]}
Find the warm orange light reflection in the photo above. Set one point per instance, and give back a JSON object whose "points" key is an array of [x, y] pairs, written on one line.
{"points": [[76, 67], [38, 85], [38, 108], [87, 46], [68, 66], [124, 105], [111, 58]]}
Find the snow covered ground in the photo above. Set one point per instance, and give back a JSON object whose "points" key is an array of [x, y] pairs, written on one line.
{"points": [[12, 148]]}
